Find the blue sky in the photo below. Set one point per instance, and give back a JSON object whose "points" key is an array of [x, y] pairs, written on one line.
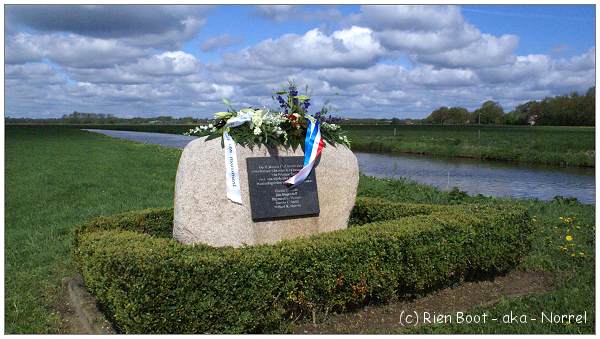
{"points": [[367, 61], [541, 28]]}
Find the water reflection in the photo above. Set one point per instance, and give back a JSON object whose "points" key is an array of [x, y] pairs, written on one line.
{"points": [[484, 177], [164, 139]]}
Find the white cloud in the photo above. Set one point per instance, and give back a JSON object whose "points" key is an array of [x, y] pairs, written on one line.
{"points": [[524, 68], [275, 12], [433, 77], [164, 26], [409, 18], [352, 47], [418, 29], [436, 35], [38, 73], [280, 13], [428, 41], [585, 61], [171, 39], [70, 49], [167, 63], [220, 42], [159, 68], [346, 77], [487, 51]]}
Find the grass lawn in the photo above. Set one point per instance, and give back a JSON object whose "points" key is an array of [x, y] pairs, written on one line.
{"points": [[57, 177]]}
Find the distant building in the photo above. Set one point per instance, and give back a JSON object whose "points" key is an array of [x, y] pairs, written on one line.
{"points": [[532, 119]]}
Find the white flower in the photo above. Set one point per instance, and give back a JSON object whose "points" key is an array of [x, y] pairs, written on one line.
{"points": [[210, 126], [274, 119], [223, 115], [257, 130], [331, 127], [345, 140], [245, 114], [257, 118]]}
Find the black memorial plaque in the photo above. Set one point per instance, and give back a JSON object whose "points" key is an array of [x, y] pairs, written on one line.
{"points": [[270, 198]]}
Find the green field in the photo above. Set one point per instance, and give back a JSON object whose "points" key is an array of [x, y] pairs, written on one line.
{"points": [[548, 145], [57, 177]]}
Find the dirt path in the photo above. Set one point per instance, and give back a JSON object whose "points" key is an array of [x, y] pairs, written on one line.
{"points": [[78, 310], [378, 319]]}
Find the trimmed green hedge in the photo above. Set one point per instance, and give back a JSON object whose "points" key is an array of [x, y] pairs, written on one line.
{"points": [[149, 283], [368, 210]]}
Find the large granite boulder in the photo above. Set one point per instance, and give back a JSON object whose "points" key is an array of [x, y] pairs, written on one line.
{"points": [[203, 214]]}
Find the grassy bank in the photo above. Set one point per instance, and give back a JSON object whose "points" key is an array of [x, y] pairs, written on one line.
{"points": [[57, 177], [563, 146], [548, 145]]}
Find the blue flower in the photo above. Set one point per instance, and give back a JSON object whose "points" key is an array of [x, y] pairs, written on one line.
{"points": [[318, 116], [282, 103], [306, 104]]}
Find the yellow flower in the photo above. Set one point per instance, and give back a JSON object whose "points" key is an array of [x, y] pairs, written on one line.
{"points": [[569, 237]]}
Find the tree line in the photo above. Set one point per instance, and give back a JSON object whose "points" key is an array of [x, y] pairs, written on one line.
{"points": [[563, 110], [102, 118]]}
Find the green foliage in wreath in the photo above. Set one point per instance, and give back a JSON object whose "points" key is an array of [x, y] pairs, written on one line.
{"points": [[285, 127]]}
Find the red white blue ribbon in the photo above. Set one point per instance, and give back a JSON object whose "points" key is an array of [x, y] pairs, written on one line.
{"points": [[313, 145]]}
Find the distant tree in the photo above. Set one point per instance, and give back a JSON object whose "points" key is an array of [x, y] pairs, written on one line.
{"points": [[164, 118], [438, 116], [457, 115], [448, 115], [490, 112], [564, 110]]}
